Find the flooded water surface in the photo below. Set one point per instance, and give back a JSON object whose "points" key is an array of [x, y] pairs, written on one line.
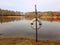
{"points": [[12, 26]]}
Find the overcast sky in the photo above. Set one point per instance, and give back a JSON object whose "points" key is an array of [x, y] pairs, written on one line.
{"points": [[28, 5]]}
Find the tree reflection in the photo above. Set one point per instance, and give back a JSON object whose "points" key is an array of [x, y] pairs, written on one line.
{"points": [[4, 19], [44, 18]]}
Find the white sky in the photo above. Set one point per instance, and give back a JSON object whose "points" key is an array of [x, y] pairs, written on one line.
{"points": [[28, 5]]}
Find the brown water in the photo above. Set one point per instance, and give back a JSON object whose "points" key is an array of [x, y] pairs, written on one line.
{"points": [[19, 26]]}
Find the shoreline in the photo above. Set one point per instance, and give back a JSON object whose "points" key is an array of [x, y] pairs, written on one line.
{"points": [[26, 41]]}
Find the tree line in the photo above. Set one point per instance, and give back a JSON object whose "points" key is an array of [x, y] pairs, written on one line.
{"points": [[10, 13]]}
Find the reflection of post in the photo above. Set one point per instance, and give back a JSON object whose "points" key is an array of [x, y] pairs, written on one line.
{"points": [[36, 24]]}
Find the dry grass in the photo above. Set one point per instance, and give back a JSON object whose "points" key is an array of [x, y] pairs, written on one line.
{"points": [[26, 41]]}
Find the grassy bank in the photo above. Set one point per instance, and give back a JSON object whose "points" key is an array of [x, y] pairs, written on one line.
{"points": [[26, 41]]}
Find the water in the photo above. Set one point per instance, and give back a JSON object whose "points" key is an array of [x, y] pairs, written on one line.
{"points": [[21, 27]]}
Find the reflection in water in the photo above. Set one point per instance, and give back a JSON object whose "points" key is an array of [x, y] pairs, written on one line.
{"points": [[10, 18], [20, 26], [16, 18], [45, 19], [51, 19]]}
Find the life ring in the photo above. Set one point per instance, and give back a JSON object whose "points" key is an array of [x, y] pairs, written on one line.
{"points": [[33, 24]]}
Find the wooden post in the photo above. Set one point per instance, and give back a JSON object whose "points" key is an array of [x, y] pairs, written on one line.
{"points": [[36, 24]]}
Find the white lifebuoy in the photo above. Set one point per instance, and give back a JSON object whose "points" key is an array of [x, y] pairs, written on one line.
{"points": [[33, 24]]}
